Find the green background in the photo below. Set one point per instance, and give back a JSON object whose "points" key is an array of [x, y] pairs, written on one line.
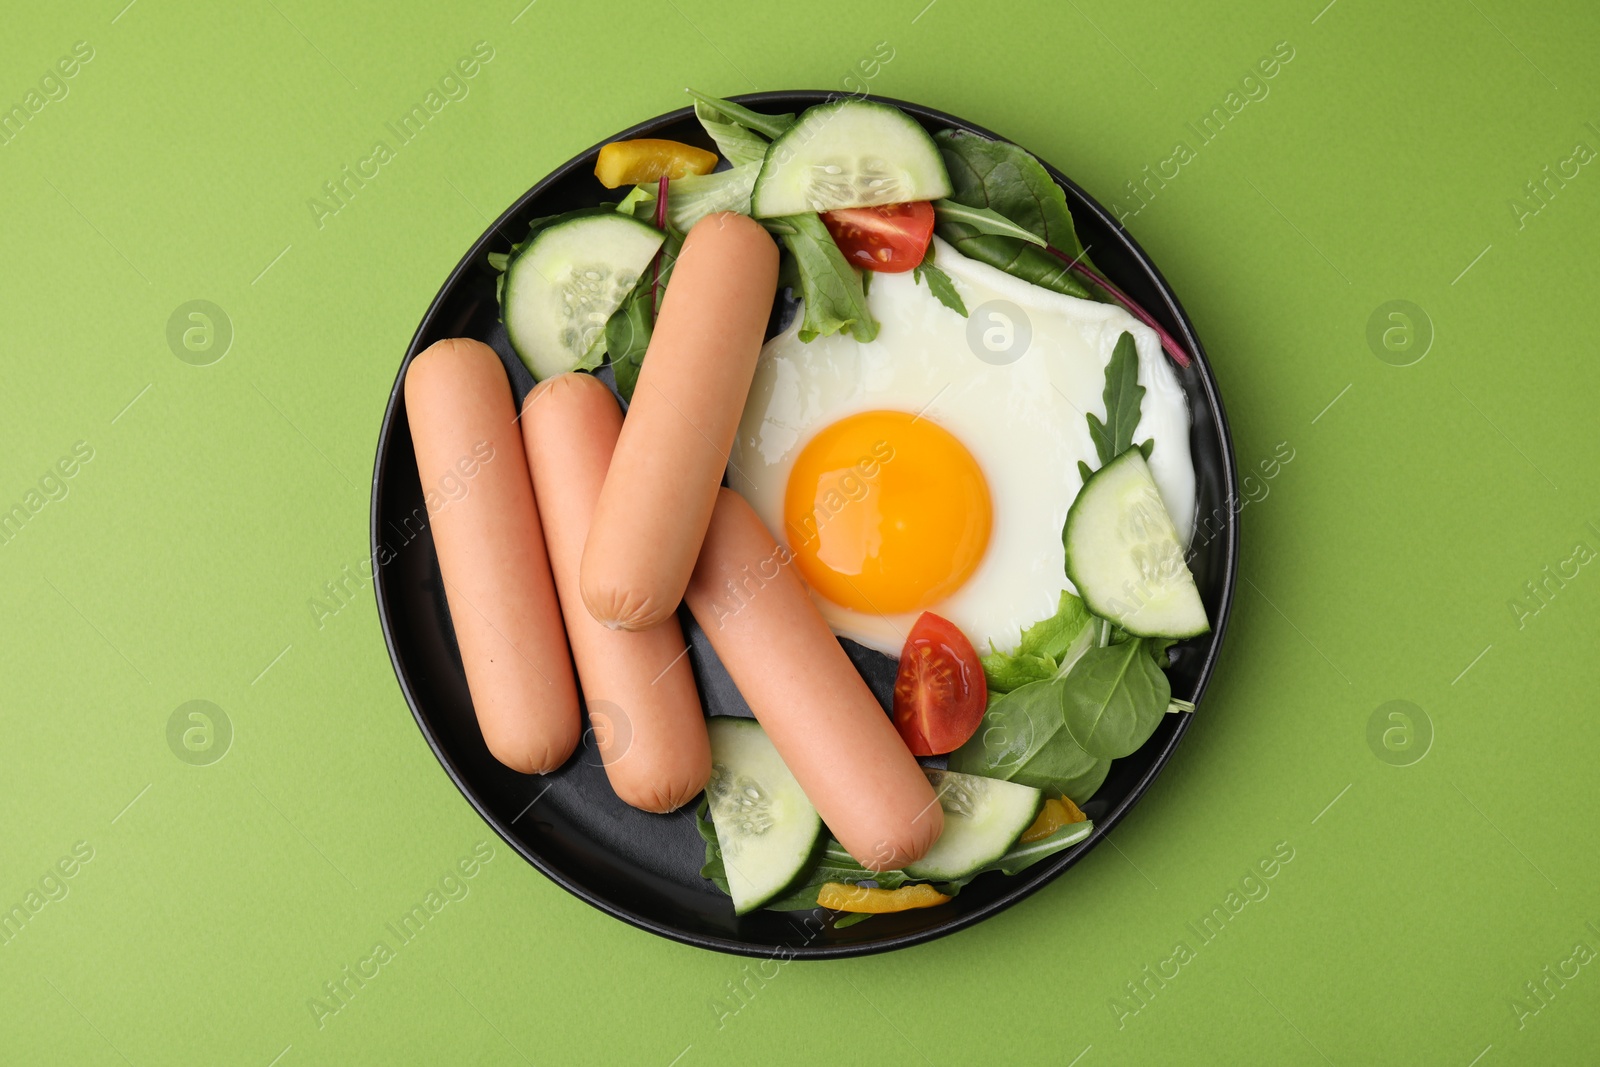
{"points": [[1379, 564]]}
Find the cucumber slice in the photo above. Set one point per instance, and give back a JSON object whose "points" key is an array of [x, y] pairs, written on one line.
{"points": [[767, 831], [1124, 556], [564, 282], [983, 817], [850, 153]]}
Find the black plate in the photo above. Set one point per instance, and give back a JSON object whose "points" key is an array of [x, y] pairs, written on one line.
{"points": [[644, 869]]}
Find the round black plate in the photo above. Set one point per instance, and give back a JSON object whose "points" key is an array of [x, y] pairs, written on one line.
{"points": [[644, 869]]}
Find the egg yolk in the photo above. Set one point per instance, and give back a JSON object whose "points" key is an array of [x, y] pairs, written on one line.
{"points": [[886, 512]]}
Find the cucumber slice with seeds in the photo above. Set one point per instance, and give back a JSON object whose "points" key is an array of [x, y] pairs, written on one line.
{"points": [[983, 817], [767, 831], [565, 281], [1124, 556], [850, 153]]}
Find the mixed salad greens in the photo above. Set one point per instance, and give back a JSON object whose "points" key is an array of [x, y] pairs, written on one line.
{"points": [[851, 188]]}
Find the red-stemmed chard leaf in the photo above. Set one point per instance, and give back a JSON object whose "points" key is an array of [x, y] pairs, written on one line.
{"points": [[655, 262], [1168, 342]]}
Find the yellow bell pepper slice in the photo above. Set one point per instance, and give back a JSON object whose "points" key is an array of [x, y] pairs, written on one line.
{"points": [[1055, 814], [648, 159], [838, 896]]}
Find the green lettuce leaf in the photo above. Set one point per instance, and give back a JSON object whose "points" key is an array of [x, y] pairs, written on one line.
{"points": [[829, 285], [1043, 647], [738, 144], [692, 198]]}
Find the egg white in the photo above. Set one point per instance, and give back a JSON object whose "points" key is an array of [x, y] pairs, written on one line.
{"points": [[1023, 421]]}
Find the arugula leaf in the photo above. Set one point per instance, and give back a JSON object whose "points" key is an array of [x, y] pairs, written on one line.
{"points": [[738, 144], [984, 220], [835, 865], [829, 285], [713, 870], [766, 125], [1041, 649], [628, 330], [1114, 699], [1024, 739], [1000, 177], [1122, 396], [1022, 855], [939, 283]]}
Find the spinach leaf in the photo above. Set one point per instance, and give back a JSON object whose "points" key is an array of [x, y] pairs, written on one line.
{"points": [[628, 336], [1040, 652], [939, 283], [1024, 739], [766, 125], [1122, 396], [738, 144], [1005, 179], [829, 285], [1080, 789], [1114, 699], [628, 330]]}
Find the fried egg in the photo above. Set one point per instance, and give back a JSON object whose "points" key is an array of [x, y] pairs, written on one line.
{"points": [[932, 468]]}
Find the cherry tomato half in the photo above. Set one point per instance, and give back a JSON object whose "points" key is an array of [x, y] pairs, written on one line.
{"points": [[940, 693], [890, 238]]}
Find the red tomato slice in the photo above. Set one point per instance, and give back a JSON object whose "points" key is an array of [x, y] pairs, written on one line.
{"points": [[890, 239], [940, 693]]}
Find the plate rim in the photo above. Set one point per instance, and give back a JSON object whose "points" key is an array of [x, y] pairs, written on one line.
{"points": [[1051, 869]]}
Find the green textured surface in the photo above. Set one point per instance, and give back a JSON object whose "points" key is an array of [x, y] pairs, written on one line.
{"points": [[1378, 564]]}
